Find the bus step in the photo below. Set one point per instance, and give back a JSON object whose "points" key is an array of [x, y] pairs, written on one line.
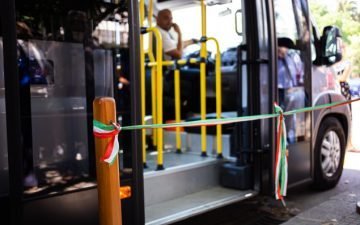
{"points": [[193, 204], [180, 180]]}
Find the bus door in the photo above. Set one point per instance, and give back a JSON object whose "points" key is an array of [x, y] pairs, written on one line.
{"points": [[4, 171], [255, 94], [294, 82]]}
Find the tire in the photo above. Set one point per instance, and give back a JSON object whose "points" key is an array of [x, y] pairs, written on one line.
{"points": [[329, 154]]}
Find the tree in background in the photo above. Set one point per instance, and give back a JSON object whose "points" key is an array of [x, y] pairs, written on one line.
{"points": [[346, 16]]}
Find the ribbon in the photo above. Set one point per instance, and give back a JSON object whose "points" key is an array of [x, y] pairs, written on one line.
{"points": [[103, 131], [213, 122], [281, 163]]}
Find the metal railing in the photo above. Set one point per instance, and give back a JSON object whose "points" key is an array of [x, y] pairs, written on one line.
{"points": [[156, 66]]}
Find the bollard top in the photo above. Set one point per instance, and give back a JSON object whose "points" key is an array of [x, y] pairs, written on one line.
{"points": [[101, 100], [104, 110]]}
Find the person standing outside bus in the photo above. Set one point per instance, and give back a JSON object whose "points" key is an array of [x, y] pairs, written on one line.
{"points": [[173, 44]]}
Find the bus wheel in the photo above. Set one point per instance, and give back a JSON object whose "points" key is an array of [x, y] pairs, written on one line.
{"points": [[329, 154]]}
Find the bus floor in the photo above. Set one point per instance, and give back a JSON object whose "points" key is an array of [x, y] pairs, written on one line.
{"points": [[173, 159]]}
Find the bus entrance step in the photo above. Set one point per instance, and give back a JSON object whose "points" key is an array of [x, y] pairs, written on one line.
{"points": [[193, 204], [180, 180]]}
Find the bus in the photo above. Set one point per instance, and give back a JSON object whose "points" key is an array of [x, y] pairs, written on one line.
{"points": [[56, 57]]}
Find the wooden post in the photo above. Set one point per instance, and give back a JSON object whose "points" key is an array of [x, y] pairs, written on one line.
{"points": [[107, 175]]}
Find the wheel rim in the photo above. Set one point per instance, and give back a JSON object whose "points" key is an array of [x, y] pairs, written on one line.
{"points": [[330, 153]]}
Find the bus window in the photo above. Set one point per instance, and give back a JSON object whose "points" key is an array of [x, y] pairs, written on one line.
{"points": [[64, 61], [285, 20], [4, 172], [217, 16], [292, 32]]}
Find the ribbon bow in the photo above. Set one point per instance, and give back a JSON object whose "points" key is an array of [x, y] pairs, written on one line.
{"points": [[281, 164], [108, 131]]}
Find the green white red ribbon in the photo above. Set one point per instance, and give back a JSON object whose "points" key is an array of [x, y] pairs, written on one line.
{"points": [[101, 130], [281, 164]]}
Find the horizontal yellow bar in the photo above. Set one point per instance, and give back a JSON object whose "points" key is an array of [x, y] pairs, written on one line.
{"points": [[170, 63]]}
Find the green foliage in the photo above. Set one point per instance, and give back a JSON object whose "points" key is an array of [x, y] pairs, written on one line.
{"points": [[346, 16]]}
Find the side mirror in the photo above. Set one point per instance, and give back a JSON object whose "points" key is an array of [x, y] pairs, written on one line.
{"points": [[330, 48]]}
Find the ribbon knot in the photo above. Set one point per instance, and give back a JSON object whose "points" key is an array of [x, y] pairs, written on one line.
{"points": [[281, 163], [103, 131]]}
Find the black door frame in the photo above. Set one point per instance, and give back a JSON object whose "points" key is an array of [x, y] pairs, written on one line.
{"points": [[258, 142], [138, 205], [13, 111]]}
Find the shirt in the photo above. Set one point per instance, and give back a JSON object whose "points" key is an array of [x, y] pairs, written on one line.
{"points": [[290, 64], [169, 41]]}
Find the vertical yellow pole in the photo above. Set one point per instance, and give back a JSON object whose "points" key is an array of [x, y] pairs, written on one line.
{"points": [[150, 14], [218, 92], [177, 108], [203, 54], [159, 98], [153, 72], [142, 82], [153, 101], [107, 176]]}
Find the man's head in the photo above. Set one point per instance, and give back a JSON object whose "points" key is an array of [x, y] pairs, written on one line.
{"points": [[164, 19]]}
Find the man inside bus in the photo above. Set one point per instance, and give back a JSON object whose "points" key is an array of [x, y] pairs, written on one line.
{"points": [[173, 44]]}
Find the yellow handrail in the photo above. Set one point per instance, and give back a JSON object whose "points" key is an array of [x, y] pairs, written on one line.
{"points": [[157, 86], [218, 96], [153, 73], [203, 54], [173, 62], [142, 82], [150, 47], [177, 108], [159, 94]]}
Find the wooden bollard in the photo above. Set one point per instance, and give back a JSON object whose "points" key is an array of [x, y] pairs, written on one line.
{"points": [[107, 175]]}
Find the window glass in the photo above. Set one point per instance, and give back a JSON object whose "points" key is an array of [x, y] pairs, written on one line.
{"points": [[292, 31], [285, 20], [65, 59], [4, 172], [217, 16]]}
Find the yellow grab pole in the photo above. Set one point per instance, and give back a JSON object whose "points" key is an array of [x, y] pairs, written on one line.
{"points": [[159, 98], [218, 97], [177, 108], [153, 72], [153, 102], [108, 182], [150, 14], [142, 82], [203, 54], [152, 63]]}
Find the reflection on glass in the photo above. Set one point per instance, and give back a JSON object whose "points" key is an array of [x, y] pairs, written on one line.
{"points": [[292, 31], [55, 72], [291, 91], [4, 172], [65, 57]]}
